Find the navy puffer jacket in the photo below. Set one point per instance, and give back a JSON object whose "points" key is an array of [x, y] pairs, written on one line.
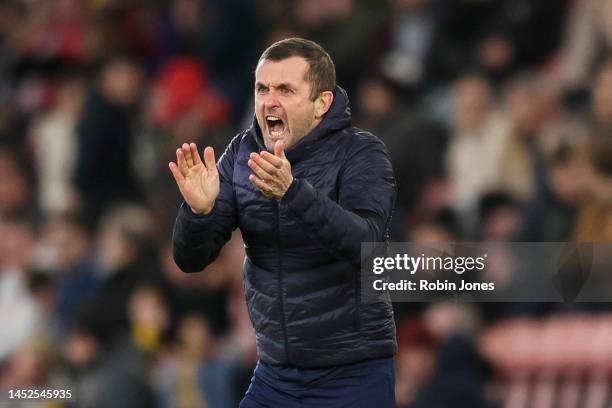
{"points": [[302, 271]]}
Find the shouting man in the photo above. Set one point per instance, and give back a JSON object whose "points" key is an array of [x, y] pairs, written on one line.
{"points": [[306, 189]]}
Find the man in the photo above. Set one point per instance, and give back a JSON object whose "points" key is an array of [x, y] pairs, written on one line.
{"points": [[103, 171], [306, 189]]}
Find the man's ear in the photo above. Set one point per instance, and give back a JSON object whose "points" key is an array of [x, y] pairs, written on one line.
{"points": [[322, 103]]}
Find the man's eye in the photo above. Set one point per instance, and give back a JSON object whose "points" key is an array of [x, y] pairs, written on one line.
{"points": [[262, 90], [285, 90]]}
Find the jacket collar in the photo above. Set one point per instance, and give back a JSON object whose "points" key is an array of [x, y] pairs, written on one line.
{"points": [[338, 117]]}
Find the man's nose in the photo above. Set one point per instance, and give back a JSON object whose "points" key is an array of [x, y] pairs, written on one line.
{"points": [[271, 101]]}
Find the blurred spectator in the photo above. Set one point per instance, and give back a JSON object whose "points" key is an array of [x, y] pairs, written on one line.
{"points": [[149, 317], [327, 23], [10, 16], [533, 109], [104, 172], [183, 91], [593, 224], [30, 366], [57, 32], [105, 377], [415, 360], [412, 28], [133, 27], [192, 294], [16, 188], [54, 142], [65, 249], [194, 375], [18, 308], [125, 257], [550, 216], [588, 38], [224, 35], [498, 37], [480, 135], [500, 218], [416, 144], [186, 22], [459, 377], [185, 107]]}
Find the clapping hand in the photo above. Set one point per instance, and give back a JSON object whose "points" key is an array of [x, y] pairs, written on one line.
{"points": [[198, 181], [272, 172]]}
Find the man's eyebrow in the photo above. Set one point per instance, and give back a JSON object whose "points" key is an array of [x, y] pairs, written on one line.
{"points": [[281, 85]]}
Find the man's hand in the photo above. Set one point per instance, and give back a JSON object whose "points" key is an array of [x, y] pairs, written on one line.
{"points": [[272, 172], [197, 181]]}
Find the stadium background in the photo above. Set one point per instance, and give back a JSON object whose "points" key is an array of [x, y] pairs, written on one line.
{"points": [[498, 118]]}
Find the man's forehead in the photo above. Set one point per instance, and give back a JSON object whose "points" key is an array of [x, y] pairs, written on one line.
{"points": [[289, 70]]}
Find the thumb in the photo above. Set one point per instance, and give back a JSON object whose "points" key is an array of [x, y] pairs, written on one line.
{"points": [[279, 149]]}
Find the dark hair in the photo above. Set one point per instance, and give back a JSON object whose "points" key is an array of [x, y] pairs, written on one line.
{"points": [[493, 201], [321, 73]]}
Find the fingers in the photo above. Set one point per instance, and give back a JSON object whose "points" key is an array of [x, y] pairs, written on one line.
{"points": [[260, 171], [209, 159], [187, 156], [272, 172], [272, 159], [182, 162], [194, 153], [187, 153], [178, 177], [264, 164], [261, 185]]}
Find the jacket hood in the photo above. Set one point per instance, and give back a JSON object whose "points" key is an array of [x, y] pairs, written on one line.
{"points": [[338, 117]]}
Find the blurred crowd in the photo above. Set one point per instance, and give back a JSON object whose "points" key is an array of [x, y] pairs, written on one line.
{"points": [[498, 118]]}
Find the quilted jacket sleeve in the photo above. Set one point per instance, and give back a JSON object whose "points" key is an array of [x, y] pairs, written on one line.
{"points": [[197, 239], [366, 198]]}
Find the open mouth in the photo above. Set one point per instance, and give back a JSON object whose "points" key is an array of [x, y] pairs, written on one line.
{"points": [[276, 126]]}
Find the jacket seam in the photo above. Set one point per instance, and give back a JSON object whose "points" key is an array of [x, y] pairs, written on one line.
{"points": [[280, 282]]}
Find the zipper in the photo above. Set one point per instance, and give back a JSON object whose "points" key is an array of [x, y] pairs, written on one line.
{"points": [[281, 302]]}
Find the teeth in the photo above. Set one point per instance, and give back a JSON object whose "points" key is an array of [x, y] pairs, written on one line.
{"points": [[276, 120]]}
